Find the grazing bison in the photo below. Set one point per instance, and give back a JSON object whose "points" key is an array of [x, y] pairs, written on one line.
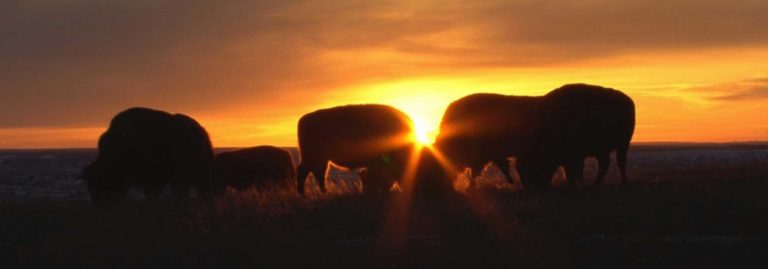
{"points": [[579, 121], [431, 177], [482, 128], [376, 137], [151, 149], [256, 167]]}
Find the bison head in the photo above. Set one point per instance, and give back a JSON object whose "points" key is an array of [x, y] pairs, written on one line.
{"points": [[536, 167], [102, 184]]}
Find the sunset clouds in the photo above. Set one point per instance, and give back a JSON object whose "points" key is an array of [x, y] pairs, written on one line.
{"points": [[249, 69]]}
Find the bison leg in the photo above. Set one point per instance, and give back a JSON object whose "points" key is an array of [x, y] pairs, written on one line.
{"points": [[376, 180], [181, 191], [207, 187], [469, 172], [152, 191], [474, 174], [539, 181], [574, 171], [317, 170], [603, 162], [503, 165]]}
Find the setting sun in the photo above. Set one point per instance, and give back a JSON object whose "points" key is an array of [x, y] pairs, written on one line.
{"points": [[249, 85], [402, 133], [424, 135]]}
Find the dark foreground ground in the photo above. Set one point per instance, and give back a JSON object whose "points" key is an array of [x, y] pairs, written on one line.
{"points": [[686, 206]]}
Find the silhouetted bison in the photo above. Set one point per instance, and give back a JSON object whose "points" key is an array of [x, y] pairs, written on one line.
{"points": [[485, 127], [430, 177], [256, 167], [376, 137], [579, 121], [152, 149]]}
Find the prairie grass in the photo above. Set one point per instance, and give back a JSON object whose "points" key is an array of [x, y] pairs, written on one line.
{"points": [[710, 215]]}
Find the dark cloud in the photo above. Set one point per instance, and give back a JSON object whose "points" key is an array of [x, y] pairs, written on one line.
{"points": [[73, 63], [751, 93], [536, 32], [743, 90], [79, 62]]}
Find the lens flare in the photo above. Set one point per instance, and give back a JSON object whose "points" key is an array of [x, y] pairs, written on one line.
{"points": [[423, 135]]}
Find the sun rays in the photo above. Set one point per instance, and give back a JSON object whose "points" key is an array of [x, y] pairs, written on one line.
{"points": [[423, 132]]}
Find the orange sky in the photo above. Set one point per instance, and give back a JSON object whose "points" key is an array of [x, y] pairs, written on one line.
{"points": [[697, 70]]}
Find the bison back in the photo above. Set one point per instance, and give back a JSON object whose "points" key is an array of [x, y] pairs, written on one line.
{"points": [[138, 144], [586, 119], [257, 166], [481, 127], [352, 135]]}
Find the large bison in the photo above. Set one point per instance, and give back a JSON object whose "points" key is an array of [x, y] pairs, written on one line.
{"points": [[256, 167], [376, 137], [484, 127], [151, 149], [578, 121]]}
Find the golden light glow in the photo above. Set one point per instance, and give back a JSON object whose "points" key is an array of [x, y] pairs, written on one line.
{"points": [[423, 99], [393, 234], [672, 93], [424, 134], [446, 164], [252, 72]]}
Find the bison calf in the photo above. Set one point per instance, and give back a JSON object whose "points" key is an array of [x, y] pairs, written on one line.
{"points": [[256, 167]]}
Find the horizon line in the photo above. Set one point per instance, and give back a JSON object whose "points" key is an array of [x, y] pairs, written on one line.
{"points": [[639, 143]]}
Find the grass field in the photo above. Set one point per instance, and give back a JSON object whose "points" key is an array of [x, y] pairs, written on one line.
{"points": [[709, 213]]}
